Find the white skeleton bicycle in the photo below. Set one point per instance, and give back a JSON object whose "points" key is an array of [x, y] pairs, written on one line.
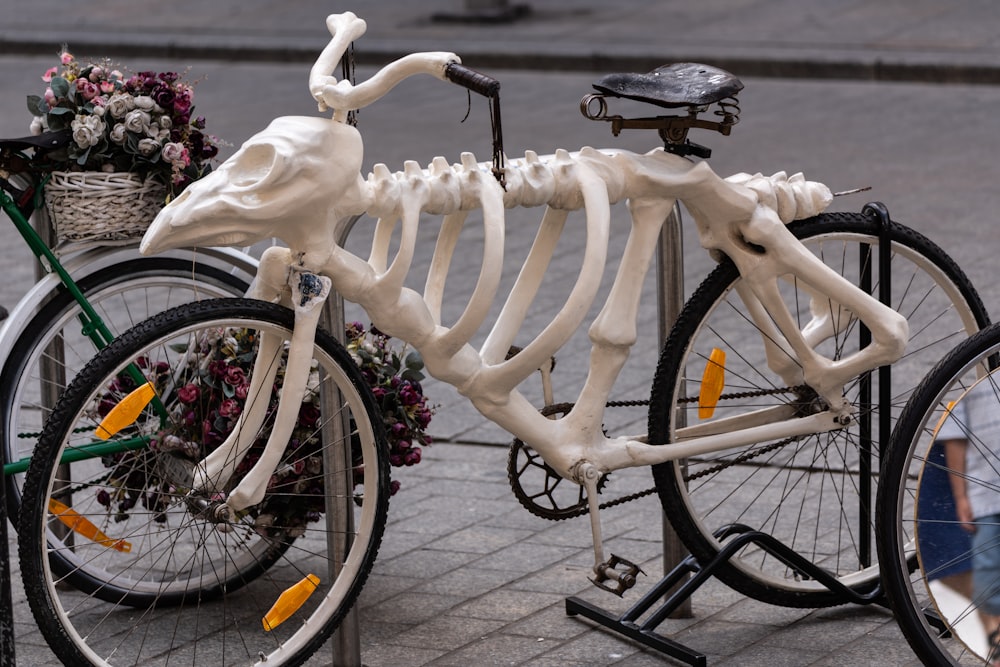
{"points": [[235, 498]]}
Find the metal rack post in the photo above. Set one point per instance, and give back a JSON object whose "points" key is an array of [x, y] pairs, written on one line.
{"points": [[669, 301], [346, 642]]}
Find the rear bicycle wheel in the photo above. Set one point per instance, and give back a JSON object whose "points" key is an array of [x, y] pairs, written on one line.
{"points": [[813, 493], [53, 346], [137, 543], [927, 557]]}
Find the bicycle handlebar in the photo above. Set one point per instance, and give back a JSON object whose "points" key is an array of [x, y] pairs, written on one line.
{"points": [[469, 78]]}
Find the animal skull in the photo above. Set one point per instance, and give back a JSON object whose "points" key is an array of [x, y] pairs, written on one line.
{"points": [[275, 186]]}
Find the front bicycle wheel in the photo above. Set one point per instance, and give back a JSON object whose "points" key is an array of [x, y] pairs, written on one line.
{"points": [[815, 494], [946, 606], [124, 563], [53, 347]]}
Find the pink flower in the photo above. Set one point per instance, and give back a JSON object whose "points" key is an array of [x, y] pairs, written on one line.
{"points": [[308, 415], [107, 87], [230, 408], [235, 376], [408, 395], [189, 393], [87, 89], [49, 73], [66, 58], [50, 97]]}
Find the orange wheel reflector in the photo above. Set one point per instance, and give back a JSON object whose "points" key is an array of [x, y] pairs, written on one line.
{"points": [[126, 412], [81, 525], [712, 382], [289, 602]]}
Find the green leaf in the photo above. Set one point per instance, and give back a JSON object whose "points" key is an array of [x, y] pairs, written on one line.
{"points": [[62, 111], [60, 86], [414, 361], [37, 106], [412, 375], [82, 159], [58, 121]]}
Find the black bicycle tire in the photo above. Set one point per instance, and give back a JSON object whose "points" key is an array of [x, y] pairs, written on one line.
{"points": [[909, 614], [667, 476], [61, 303], [31, 547]]}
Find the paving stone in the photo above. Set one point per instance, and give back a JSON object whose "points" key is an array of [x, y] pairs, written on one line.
{"points": [[506, 604], [423, 563], [527, 557], [449, 632], [591, 649], [411, 607], [499, 650], [480, 539], [552, 622], [469, 581]]}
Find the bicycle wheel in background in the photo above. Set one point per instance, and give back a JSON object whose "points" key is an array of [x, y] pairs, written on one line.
{"points": [[940, 604], [153, 572], [53, 347], [813, 493]]}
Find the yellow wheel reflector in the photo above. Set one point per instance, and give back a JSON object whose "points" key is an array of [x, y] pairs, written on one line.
{"points": [[82, 526], [126, 412], [712, 382], [289, 602]]}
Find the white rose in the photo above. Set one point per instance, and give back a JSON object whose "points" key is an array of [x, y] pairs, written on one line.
{"points": [[145, 102], [165, 122], [99, 111], [87, 130], [38, 124], [120, 104], [118, 134], [137, 121], [147, 147]]}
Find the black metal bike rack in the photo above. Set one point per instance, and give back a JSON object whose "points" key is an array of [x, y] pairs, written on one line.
{"points": [[688, 575], [738, 536]]}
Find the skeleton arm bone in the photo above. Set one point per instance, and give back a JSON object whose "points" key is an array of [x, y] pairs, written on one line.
{"points": [[343, 96], [787, 256]]}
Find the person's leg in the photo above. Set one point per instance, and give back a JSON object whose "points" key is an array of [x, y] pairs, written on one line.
{"points": [[986, 580]]}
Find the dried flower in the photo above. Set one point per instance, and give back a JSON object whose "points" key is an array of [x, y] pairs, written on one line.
{"points": [[206, 400], [139, 116]]}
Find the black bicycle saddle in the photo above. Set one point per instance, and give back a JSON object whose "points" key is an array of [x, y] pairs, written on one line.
{"points": [[677, 85]]}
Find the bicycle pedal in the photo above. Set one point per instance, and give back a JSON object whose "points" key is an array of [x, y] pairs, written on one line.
{"points": [[623, 580]]}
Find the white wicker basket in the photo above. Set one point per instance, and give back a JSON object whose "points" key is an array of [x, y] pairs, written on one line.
{"points": [[87, 206]]}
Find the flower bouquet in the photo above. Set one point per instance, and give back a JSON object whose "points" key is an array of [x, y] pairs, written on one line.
{"points": [[394, 377], [135, 143], [204, 398]]}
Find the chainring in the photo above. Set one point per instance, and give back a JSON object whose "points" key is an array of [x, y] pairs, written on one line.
{"points": [[558, 498]]}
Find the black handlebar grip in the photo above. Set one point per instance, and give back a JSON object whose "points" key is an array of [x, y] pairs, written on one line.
{"points": [[475, 81]]}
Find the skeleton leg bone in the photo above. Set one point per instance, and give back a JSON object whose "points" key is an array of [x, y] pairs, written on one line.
{"points": [[309, 293]]}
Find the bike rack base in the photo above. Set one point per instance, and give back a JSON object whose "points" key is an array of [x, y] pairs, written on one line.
{"points": [[644, 632]]}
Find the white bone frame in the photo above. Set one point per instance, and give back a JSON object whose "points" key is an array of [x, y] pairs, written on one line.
{"points": [[269, 188]]}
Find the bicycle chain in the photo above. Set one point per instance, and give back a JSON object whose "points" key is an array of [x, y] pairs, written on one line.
{"points": [[581, 508]]}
